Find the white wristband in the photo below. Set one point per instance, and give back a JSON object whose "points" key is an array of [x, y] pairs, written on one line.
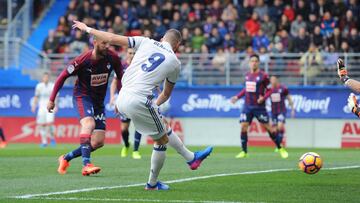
{"points": [[88, 30]]}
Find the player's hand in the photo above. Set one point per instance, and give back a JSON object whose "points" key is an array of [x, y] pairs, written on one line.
{"points": [[352, 102], [79, 25], [33, 108], [50, 106], [341, 70], [292, 114], [234, 99], [260, 100]]}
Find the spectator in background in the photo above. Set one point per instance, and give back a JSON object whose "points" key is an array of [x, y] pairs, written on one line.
{"points": [[261, 9], [244, 11], [327, 25], [197, 40], [84, 10], [316, 37], [177, 22], [199, 11], [109, 14], [167, 12], [72, 9], [229, 13], [147, 25], [215, 9], [335, 39], [142, 10], [222, 29], [302, 9], [282, 37], [276, 11], [219, 60], [96, 12], [301, 42], [252, 25], [51, 43], [322, 7], [78, 44], [355, 9], [186, 40], [347, 23], [159, 30], [214, 40], [345, 47], [63, 26], [184, 10], [284, 23], [337, 9], [192, 23], [289, 12], [260, 40], [228, 43], [311, 63], [354, 41], [312, 23], [208, 25], [242, 41], [119, 26], [269, 27], [155, 13], [296, 25]]}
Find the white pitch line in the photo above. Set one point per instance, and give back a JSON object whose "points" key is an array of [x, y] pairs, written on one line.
{"points": [[131, 200], [27, 196]]}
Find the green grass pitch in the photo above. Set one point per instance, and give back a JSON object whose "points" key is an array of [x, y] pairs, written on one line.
{"points": [[29, 170]]}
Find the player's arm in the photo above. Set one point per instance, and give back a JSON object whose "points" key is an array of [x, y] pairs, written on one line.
{"points": [[36, 99], [105, 36], [342, 72], [165, 93], [238, 96], [353, 105], [113, 90], [263, 98], [57, 86], [291, 104]]}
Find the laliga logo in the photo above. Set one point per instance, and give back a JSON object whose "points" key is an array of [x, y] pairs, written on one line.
{"points": [[215, 102]]}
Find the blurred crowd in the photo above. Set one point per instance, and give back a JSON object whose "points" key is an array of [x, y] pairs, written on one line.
{"points": [[237, 26]]}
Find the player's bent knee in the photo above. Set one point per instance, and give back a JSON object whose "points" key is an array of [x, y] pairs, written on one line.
{"points": [[162, 141], [97, 145]]}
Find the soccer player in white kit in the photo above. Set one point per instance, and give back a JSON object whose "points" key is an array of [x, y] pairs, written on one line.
{"points": [[44, 119], [154, 62]]}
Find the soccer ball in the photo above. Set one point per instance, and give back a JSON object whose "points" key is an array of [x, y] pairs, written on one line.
{"points": [[310, 163]]}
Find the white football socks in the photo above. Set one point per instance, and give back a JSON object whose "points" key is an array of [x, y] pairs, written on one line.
{"points": [[157, 161], [43, 132], [178, 145]]}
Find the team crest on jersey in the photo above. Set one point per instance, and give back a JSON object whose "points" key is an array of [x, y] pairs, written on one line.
{"points": [[108, 66], [70, 69], [257, 78], [99, 79]]}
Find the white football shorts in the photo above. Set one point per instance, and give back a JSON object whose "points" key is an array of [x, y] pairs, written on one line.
{"points": [[143, 112]]}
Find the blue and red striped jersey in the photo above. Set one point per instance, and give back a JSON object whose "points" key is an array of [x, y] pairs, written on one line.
{"points": [[277, 96]]}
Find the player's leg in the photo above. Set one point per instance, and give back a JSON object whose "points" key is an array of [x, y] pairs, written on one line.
{"points": [[137, 140], [273, 124], [281, 127], [245, 119], [283, 153], [157, 161], [3, 140], [50, 118], [125, 123], [41, 126]]}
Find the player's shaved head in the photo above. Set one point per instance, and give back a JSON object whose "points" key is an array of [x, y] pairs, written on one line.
{"points": [[173, 36]]}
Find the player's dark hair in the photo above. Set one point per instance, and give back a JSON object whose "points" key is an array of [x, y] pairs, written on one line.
{"points": [[174, 36], [256, 56]]}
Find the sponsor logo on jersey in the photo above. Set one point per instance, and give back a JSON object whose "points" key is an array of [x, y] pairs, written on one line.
{"points": [[275, 97], [250, 86], [99, 79]]}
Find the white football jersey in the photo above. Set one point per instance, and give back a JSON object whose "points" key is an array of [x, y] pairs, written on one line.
{"points": [[43, 92], [153, 62]]}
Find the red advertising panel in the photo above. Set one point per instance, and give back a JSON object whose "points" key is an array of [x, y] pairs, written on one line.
{"points": [[350, 134], [24, 130]]}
